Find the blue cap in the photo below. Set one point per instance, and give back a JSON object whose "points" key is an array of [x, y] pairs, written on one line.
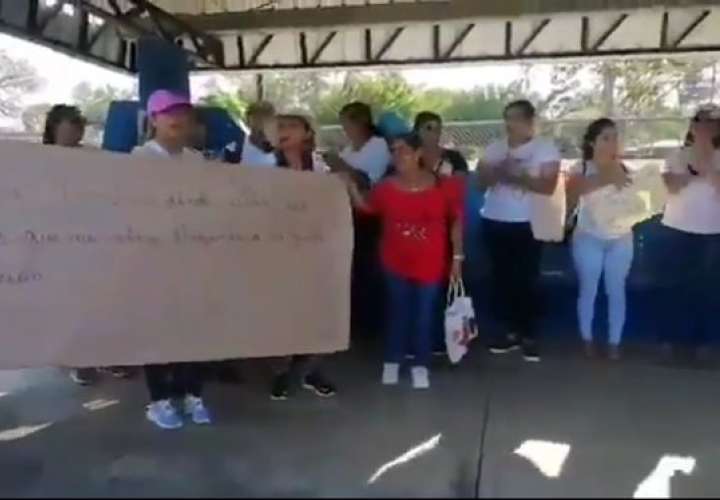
{"points": [[390, 124]]}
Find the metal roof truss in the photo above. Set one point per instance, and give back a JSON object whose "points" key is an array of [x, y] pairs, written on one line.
{"points": [[104, 32], [555, 35]]}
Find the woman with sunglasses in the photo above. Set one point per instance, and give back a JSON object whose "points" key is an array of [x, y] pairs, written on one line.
{"points": [[445, 162], [692, 226], [442, 161]]}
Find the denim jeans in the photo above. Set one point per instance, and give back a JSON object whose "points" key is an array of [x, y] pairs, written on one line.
{"points": [[594, 257], [692, 270], [410, 318]]}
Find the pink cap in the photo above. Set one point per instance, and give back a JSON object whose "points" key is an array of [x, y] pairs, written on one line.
{"points": [[162, 101]]}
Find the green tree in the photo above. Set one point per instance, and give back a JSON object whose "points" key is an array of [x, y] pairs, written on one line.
{"points": [[480, 103], [386, 91], [33, 117], [94, 102], [234, 103], [641, 87], [17, 79]]}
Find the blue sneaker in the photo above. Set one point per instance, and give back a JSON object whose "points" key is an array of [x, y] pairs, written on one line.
{"points": [[195, 409], [163, 414]]}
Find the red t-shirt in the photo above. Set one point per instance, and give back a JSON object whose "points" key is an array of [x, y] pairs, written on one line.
{"points": [[416, 227]]}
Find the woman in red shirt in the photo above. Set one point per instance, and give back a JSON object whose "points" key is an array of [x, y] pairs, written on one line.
{"points": [[418, 210]]}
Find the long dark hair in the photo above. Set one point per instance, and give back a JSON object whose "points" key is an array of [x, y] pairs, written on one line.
{"points": [[307, 157], [591, 134], [58, 114]]}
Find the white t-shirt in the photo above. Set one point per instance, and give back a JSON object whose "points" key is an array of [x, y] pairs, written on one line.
{"points": [[586, 222], [253, 156], [506, 203], [152, 148], [696, 208], [373, 158]]}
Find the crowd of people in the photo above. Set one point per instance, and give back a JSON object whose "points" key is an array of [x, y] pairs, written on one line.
{"points": [[407, 190]]}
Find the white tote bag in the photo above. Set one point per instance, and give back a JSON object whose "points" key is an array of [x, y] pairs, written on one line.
{"points": [[460, 324]]}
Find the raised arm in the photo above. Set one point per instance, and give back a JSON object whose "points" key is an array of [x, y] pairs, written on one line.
{"points": [[545, 184]]}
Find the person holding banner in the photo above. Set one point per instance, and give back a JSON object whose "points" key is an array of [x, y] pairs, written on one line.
{"points": [[295, 150], [598, 250], [65, 126], [367, 152], [692, 229], [171, 117], [366, 158], [417, 209], [514, 169]]}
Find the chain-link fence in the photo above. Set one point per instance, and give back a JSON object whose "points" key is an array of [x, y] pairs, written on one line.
{"points": [[643, 137]]}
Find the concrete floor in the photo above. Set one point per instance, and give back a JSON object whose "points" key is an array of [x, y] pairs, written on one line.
{"points": [[618, 420]]}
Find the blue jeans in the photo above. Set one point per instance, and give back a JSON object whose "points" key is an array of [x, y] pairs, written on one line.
{"points": [[692, 270], [410, 315], [594, 257]]}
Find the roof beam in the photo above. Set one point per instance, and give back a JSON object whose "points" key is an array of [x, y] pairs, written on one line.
{"points": [[388, 43], [608, 33], [531, 38], [693, 25], [405, 13], [458, 41]]}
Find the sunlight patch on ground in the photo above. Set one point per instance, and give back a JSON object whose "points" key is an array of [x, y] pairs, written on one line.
{"points": [[22, 431], [100, 404], [547, 456], [657, 484], [406, 457]]}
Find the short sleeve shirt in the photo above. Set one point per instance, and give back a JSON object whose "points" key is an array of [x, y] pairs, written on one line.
{"points": [[696, 208], [373, 158], [507, 203]]}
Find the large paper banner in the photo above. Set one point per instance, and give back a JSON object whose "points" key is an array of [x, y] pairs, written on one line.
{"points": [[107, 259]]}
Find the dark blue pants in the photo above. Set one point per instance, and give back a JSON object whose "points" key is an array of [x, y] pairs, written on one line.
{"points": [[410, 319], [691, 269]]}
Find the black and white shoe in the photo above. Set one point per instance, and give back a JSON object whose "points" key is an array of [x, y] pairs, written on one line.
{"points": [[504, 346], [280, 388], [530, 352], [319, 385]]}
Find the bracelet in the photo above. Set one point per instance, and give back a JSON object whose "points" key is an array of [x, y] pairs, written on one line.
{"points": [[458, 257]]}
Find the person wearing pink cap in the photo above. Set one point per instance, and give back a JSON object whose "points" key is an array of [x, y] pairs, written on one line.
{"points": [[171, 125]]}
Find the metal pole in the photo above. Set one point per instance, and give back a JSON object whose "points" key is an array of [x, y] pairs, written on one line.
{"points": [[259, 87]]}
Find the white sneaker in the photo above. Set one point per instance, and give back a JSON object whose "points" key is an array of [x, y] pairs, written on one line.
{"points": [[391, 374], [195, 409], [420, 377], [163, 414]]}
